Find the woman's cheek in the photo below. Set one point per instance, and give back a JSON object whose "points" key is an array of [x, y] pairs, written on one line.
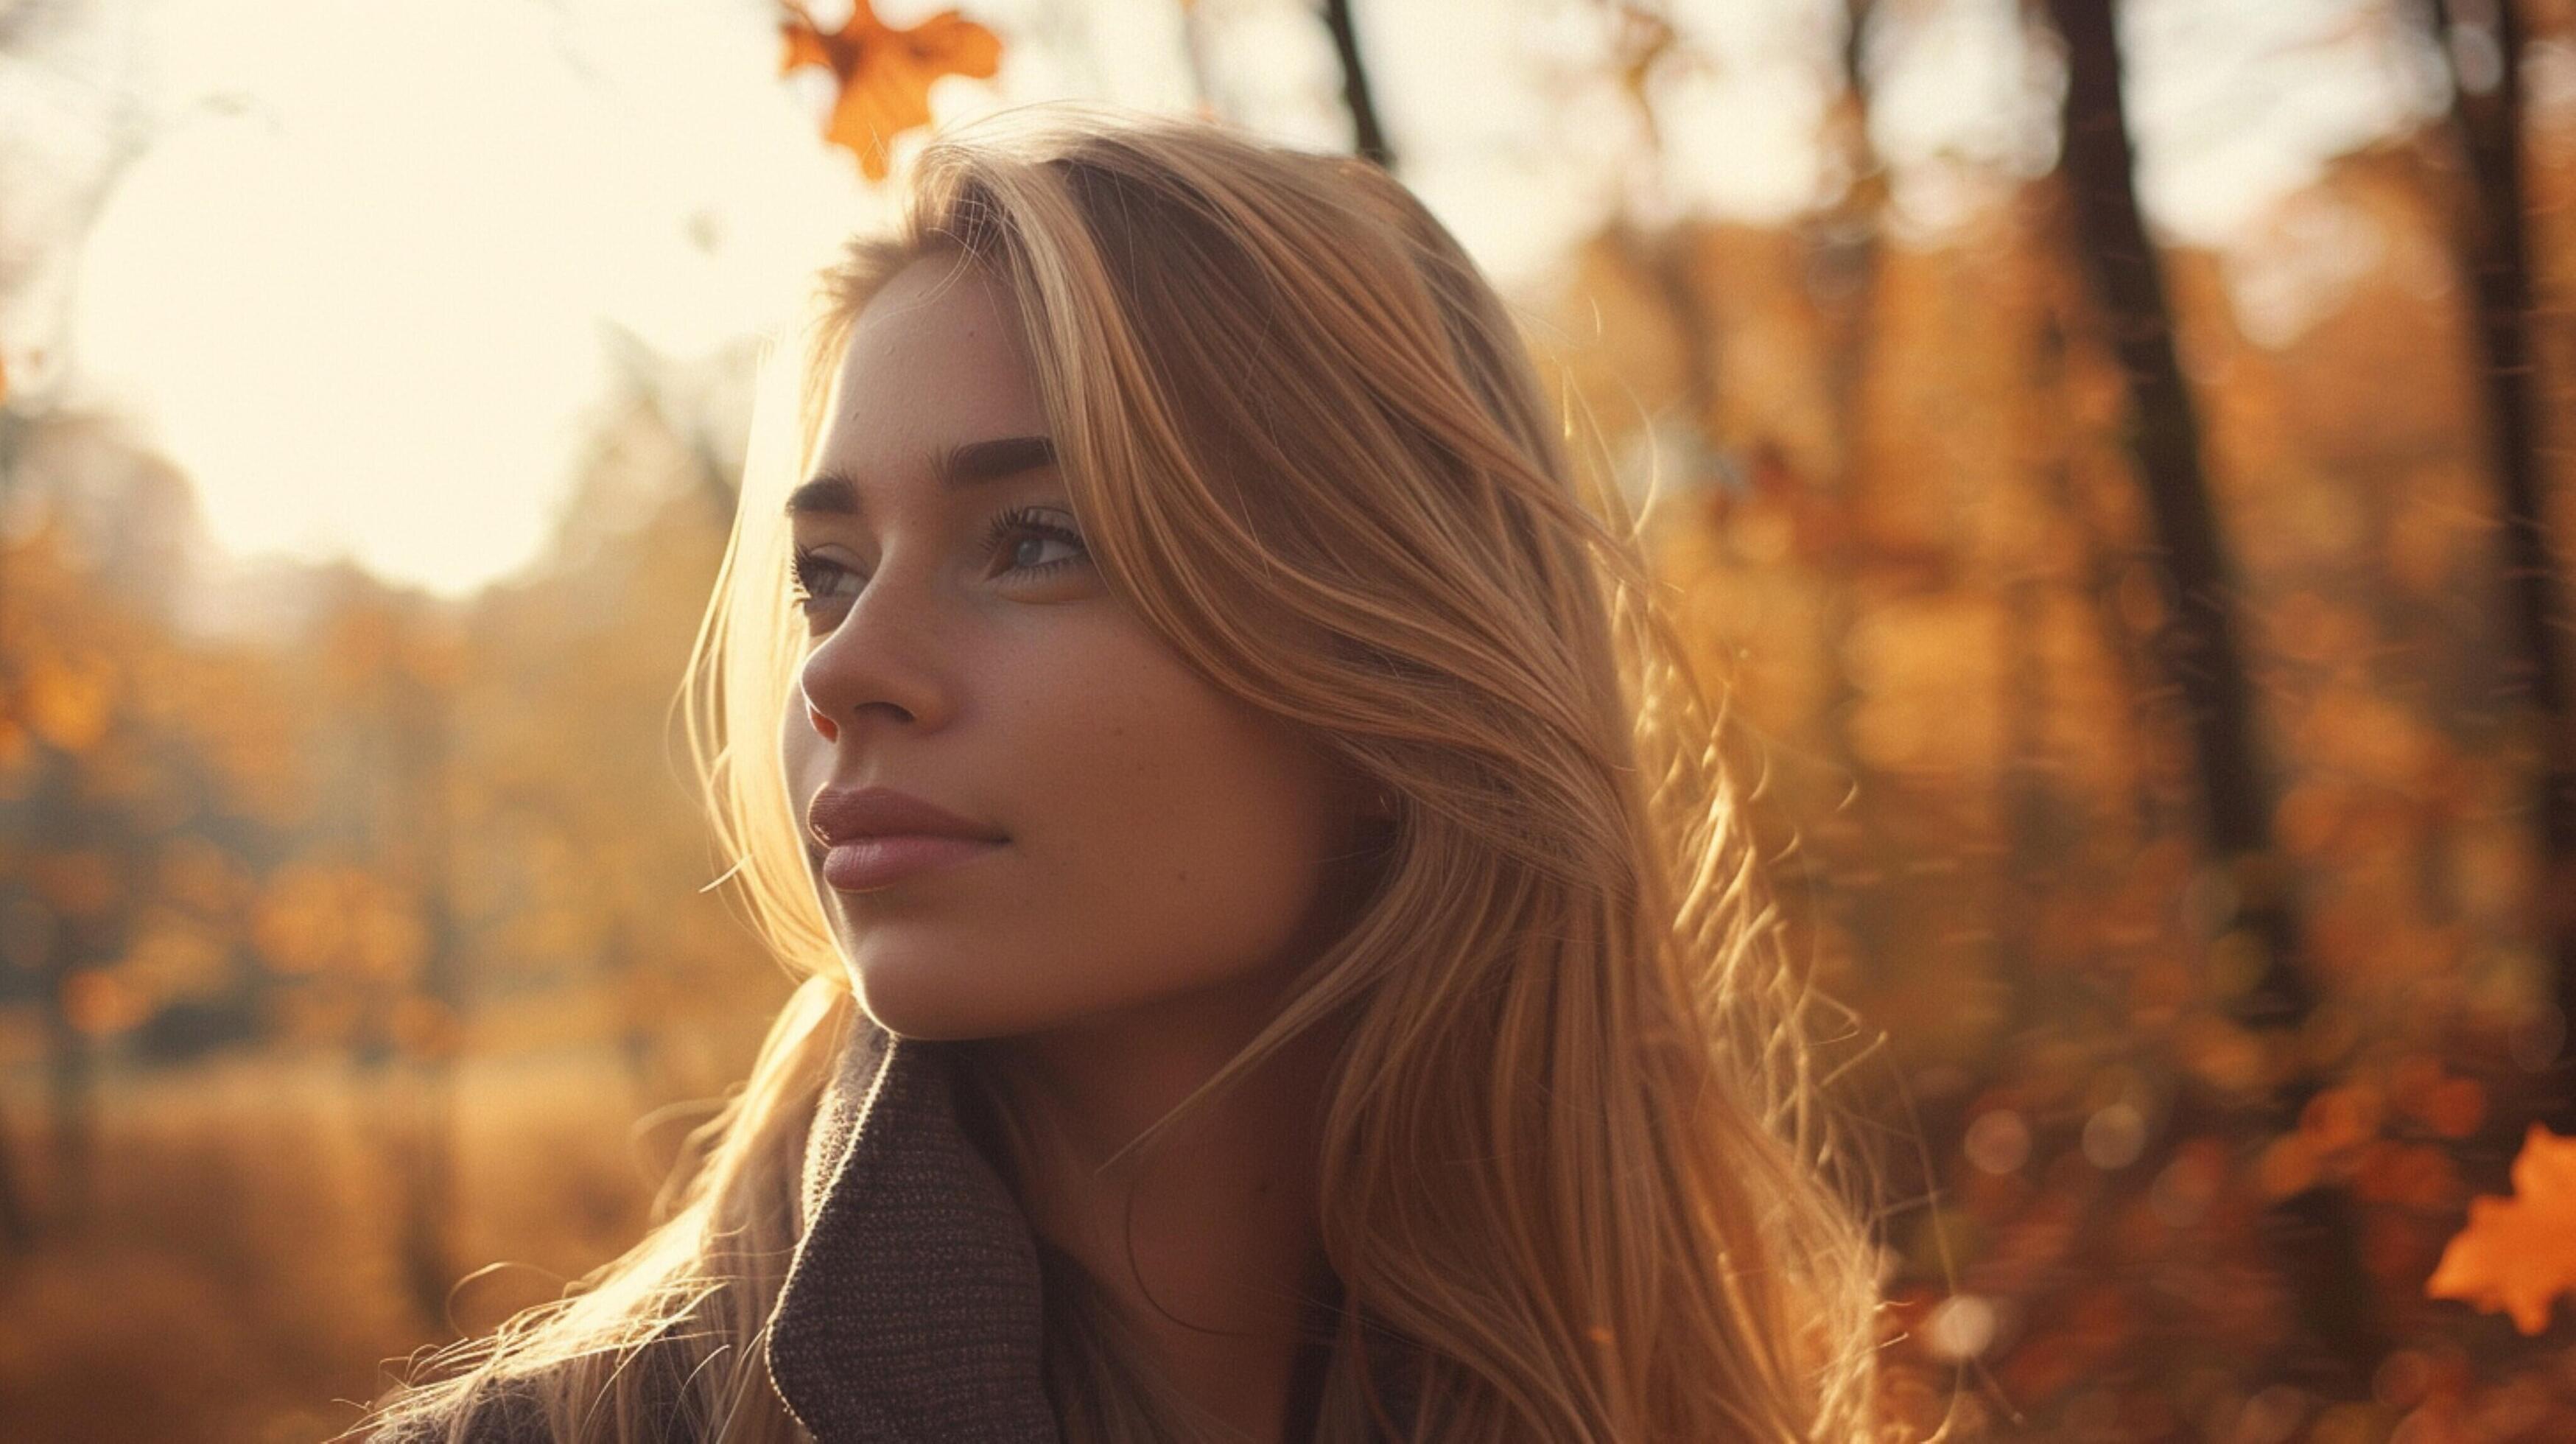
{"points": [[1190, 833]]}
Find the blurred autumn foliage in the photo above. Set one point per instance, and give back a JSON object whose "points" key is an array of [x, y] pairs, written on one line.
{"points": [[2188, 1175], [2152, 661], [315, 877]]}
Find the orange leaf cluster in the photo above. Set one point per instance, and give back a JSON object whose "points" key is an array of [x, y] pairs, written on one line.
{"points": [[885, 73], [2518, 1254]]}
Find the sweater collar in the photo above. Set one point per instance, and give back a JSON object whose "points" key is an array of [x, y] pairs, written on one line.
{"points": [[911, 1310]]}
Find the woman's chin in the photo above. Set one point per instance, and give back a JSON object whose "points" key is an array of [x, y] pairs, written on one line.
{"points": [[927, 993]]}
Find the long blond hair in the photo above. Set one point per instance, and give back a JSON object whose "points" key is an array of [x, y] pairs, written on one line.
{"points": [[1573, 1156]]}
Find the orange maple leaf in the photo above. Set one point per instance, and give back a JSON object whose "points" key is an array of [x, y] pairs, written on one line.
{"points": [[2518, 1254], [885, 73]]}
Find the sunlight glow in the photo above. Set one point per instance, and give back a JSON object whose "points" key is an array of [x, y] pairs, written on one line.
{"points": [[357, 284]]}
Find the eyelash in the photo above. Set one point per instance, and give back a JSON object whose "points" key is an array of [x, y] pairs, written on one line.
{"points": [[805, 568]]}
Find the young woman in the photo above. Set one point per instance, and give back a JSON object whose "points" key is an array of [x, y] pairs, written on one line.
{"points": [[1279, 957]]}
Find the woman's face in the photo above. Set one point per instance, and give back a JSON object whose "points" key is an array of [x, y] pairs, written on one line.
{"points": [[1159, 839]]}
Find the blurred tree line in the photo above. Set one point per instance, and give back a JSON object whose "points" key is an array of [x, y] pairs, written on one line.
{"points": [[2162, 706], [354, 819]]}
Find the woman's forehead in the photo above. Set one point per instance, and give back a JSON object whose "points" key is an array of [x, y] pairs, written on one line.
{"points": [[934, 362]]}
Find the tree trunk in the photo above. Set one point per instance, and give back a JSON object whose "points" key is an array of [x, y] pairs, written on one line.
{"points": [[2484, 39], [1368, 137], [423, 733], [2164, 435], [2313, 1231]]}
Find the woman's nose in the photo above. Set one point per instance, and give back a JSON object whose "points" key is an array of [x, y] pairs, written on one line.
{"points": [[883, 658]]}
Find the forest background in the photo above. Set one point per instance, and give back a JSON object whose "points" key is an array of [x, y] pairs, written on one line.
{"points": [[2123, 467]]}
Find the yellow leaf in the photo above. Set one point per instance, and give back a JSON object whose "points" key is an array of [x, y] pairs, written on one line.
{"points": [[2518, 1254], [884, 73]]}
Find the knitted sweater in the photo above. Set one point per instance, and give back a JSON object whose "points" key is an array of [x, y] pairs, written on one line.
{"points": [[911, 1313], [912, 1310]]}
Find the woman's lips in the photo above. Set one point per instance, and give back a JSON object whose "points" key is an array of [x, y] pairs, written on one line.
{"points": [[865, 863]]}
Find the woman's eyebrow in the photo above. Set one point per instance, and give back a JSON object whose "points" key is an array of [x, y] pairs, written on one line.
{"points": [[834, 493]]}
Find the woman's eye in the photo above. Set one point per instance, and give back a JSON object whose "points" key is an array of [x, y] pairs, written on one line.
{"points": [[1025, 529], [1018, 539], [811, 578]]}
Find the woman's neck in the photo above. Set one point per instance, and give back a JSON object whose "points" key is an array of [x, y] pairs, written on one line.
{"points": [[1208, 1241]]}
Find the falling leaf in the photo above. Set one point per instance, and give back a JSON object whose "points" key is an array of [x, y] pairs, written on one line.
{"points": [[884, 74], [2518, 1254]]}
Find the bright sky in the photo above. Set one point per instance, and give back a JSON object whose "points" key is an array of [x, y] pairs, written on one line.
{"points": [[356, 282]]}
